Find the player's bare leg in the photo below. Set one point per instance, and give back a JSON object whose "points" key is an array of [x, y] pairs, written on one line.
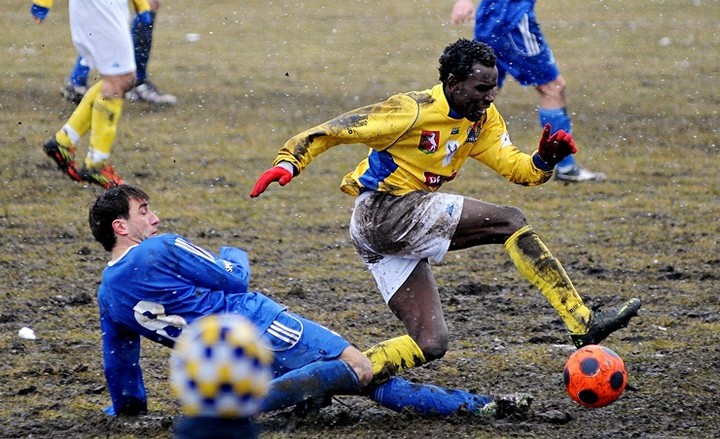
{"points": [[485, 223], [417, 305]]}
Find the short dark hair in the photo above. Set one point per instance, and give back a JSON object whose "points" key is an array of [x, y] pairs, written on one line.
{"points": [[459, 57], [109, 206]]}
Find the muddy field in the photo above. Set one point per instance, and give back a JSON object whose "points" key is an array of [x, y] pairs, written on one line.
{"points": [[643, 92]]}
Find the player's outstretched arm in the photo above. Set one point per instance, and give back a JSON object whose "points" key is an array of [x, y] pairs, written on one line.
{"points": [[230, 272], [121, 358], [282, 173]]}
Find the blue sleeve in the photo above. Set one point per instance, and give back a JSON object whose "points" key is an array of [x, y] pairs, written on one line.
{"points": [[121, 356], [229, 273]]}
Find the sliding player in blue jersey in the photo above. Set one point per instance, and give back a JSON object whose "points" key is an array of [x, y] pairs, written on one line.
{"points": [[142, 28], [511, 29], [156, 285]]}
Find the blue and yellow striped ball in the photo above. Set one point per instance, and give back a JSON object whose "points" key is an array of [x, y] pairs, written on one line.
{"points": [[218, 368]]}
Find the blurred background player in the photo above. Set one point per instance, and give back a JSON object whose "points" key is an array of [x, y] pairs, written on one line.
{"points": [[220, 373], [418, 141], [155, 286], [142, 28], [511, 29], [101, 36]]}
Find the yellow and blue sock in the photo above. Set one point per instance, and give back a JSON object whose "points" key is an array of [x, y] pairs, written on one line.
{"points": [[105, 118], [142, 35], [80, 120], [539, 266], [392, 356], [80, 72]]}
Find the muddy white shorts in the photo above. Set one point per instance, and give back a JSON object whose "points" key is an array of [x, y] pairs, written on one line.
{"points": [[100, 31], [392, 234]]}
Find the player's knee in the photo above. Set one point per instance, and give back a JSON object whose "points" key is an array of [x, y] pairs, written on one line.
{"points": [[514, 219], [115, 86], [364, 371], [435, 347], [360, 364], [554, 89]]}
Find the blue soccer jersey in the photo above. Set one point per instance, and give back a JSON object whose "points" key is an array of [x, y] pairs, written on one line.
{"points": [[511, 29], [155, 290], [496, 18]]}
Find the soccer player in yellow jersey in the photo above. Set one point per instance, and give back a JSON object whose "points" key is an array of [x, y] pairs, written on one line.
{"points": [[101, 36], [142, 29], [418, 141]]}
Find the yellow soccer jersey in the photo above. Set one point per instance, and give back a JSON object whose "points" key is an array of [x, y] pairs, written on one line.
{"points": [[414, 145]]}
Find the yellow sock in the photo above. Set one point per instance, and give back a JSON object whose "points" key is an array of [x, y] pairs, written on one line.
{"points": [[538, 265], [105, 117], [79, 122], [392, 356]]}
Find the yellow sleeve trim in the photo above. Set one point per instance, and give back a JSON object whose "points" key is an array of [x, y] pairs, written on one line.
{"points": [[140, 5], [44, 3]]}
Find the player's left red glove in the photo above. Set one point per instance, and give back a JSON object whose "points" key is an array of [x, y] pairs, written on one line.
{"points": [[276, 173], [552, 149]]}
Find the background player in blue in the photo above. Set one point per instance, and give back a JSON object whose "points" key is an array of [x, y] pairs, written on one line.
{"points": [[156, 285], [511, 29], [143, 25]]}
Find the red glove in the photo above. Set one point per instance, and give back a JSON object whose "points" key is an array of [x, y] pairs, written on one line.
{"points": [[276, 173], [552, 149]]}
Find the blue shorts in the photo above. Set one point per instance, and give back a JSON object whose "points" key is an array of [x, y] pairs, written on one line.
{"points": [[296, 342], [522, 52]]}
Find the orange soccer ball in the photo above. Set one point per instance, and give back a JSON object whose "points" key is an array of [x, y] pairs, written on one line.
{"points": [[595, 376]]}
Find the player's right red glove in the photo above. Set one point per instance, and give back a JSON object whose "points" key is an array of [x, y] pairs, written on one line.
{"points": [[552, 149], [276, 173]]}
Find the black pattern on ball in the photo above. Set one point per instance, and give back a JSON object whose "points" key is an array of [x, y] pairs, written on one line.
{"points": [[588, 396], [590, 366], [617, 380]]}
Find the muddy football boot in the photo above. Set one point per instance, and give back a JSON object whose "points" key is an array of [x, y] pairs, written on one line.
{"points": [[504, 406], [105, 176], [578, 174], [73, 93], [63, 157], [147, 92], [604, 323]]}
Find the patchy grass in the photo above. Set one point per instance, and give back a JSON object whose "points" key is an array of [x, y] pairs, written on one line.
{"points": [[643, 93]]}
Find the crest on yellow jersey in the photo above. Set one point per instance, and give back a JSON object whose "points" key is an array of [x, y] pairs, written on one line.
{"points": [[429, 141]]}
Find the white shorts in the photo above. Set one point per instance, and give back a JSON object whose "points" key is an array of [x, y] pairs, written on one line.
{"points": [[392, 234], [100, 31]]}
